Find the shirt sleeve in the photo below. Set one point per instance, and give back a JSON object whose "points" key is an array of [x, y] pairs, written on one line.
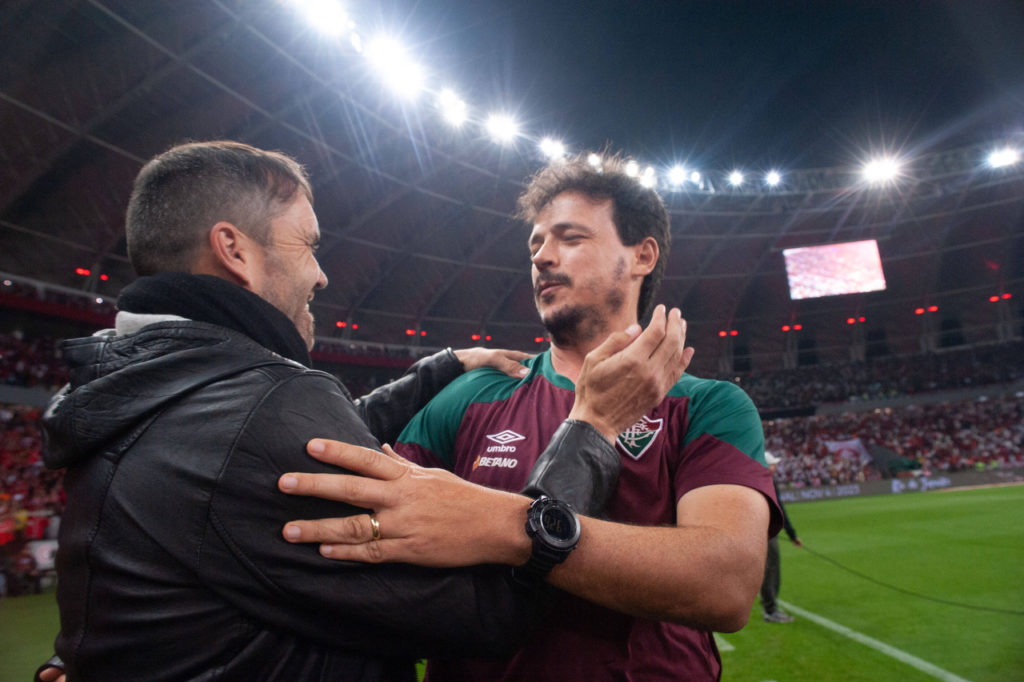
{"points": [[724, 444], [430, 437]]}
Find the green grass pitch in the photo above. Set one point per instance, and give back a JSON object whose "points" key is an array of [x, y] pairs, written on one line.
{"points": [[960, 546]]}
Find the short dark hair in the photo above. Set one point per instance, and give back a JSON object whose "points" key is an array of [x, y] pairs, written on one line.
{"points": [[638, 211], [180, 194]]}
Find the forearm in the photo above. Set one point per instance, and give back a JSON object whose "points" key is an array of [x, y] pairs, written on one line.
{"points": [[696, 575]]}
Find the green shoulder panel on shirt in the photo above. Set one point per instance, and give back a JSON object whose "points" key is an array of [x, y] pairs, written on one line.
{"points": [[434, 428], [724, 411]]}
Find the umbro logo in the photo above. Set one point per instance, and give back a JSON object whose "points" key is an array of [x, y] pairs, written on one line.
{"points": [[504, 440], [505, 437]]}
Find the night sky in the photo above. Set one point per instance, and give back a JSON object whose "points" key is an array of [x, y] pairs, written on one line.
{"points": [[787, 84]]}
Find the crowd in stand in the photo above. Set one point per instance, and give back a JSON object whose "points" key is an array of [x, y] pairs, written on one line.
{"points": [[31, 362], [888, 377], [937, 438], [30, 494]]}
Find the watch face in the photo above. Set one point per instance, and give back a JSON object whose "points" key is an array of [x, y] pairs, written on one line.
{"points": [[560, 525]]}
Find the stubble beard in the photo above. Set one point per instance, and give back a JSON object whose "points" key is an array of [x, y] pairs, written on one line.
{"points": [[574, 326]]}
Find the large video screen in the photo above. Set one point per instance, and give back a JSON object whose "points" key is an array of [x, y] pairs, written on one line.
{"points": [[834, 269]]}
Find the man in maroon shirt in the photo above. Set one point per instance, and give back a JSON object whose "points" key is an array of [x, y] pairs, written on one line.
{"points": [[695, 503]]}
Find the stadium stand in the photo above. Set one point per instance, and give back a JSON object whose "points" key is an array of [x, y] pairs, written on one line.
{"points": [[961, 432]]}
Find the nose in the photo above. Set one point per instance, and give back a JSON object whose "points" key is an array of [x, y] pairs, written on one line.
{"points": [[544, 256], [321, 278]]}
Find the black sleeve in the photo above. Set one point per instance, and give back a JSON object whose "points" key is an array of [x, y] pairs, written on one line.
{"points": [[390, 407], [389, 609], [579, 466]]}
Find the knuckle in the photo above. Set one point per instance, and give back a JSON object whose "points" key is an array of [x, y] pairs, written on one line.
{"points": [[352, 527], [366, 457], [315, 530], [375, 552]]}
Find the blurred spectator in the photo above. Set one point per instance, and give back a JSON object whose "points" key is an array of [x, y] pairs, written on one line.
{"points": [[34, 362], [30, 494], [773, 563], [24, 574]]}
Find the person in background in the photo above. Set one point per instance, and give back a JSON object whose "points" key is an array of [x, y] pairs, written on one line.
{"points": [[773, 563]]}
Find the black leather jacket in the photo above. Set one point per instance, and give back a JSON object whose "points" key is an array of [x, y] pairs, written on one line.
{"points": [[171, 561]]}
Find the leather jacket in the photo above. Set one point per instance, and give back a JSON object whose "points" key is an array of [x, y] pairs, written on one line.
{"points": [[171, 560]]}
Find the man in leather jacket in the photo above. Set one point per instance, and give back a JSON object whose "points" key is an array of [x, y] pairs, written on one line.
{"points": [[176, 425]]}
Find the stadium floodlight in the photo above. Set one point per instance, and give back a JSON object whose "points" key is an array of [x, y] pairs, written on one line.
{"points": [[401, 74], [649, 177], [676, 175], [502, 128], [553, 149], [327, 16], [594, 160], [356, 41], [877, 171], [632, 168], [1007, 156], [736, 178], [453, 109], [772, 178], [695, 177]]}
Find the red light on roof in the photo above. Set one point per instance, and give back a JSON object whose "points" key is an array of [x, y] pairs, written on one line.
{"points": [[798, 327], [104, 278], [734, 333], [919, 311], [786, 327], [1007, 295], [933, 308], [82, 271], [860, 319], [340, 324], [487, 338], [850, 320], [723, 333], [423, 333], [355, 326], [538, 339], [475, 337], [993, 299], [410, 332]]}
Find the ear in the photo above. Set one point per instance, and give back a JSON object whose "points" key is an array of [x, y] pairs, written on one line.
{"points": [[237, 256], [645, 257]]}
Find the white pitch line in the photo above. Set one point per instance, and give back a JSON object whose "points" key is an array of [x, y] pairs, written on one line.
{"points": [[722, 644], [900, 655]]}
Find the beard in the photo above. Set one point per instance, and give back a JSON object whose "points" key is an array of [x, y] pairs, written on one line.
{"points": [[572, 326], [575, 325]]}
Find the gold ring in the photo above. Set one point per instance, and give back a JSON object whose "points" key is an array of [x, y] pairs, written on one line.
{"points": [[375, 527]]}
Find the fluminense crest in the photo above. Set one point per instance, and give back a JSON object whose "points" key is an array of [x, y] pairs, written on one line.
{"points": [[638, 438]]}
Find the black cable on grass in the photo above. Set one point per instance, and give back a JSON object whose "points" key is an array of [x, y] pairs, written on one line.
{"points": [[910, 592]]}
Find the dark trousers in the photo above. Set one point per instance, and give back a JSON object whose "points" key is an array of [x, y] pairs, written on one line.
{"points": [[772, 577]]}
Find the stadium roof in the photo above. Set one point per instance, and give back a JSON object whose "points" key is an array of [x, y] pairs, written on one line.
{"points": [[416, 213]]}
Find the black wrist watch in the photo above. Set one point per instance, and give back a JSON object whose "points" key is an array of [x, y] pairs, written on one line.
{"points": [[555, 530]]}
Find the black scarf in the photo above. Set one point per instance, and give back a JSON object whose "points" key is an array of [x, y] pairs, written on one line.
{"points": [[205, 298]]}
